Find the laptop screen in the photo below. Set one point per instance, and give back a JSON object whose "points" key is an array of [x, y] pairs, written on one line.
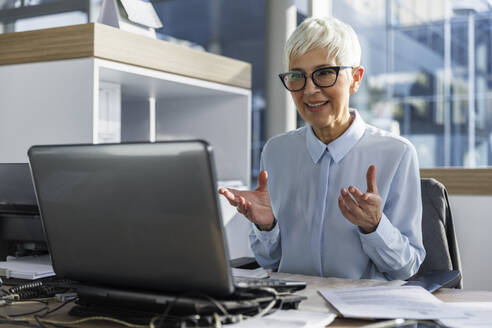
{"points": [[139, 215], [16, 185]]}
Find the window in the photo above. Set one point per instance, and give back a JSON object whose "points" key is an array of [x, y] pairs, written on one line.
{"points": [[233, 29], [427, 75], [25, 15]]}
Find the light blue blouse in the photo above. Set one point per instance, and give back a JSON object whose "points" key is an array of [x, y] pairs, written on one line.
{"points": [[312, 236]]}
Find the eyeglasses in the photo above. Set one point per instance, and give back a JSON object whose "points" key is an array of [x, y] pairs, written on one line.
{"points": [[323, 77]]}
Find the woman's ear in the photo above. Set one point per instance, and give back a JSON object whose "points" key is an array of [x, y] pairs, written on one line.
{"points": [[357, 74]]}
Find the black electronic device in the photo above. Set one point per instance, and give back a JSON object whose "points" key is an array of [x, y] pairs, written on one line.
{"points": [[132, 220], [21, 232]]}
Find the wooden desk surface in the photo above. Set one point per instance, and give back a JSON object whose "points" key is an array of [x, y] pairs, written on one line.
{"points": [[315, 302]]}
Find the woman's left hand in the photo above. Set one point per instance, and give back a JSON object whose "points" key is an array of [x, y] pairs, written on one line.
{"points": [[363, 210]]}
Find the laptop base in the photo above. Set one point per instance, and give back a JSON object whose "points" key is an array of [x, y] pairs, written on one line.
{"points": [[141, 306]]}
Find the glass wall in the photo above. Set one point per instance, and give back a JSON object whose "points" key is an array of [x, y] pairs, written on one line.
{"points": [[234, 29], [428, 75], [427, 66], [25, 15]]}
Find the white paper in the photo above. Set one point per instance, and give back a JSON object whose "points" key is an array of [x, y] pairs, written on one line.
{"points": [[245, 273], [109, 13], [289, 319], [142, 13], [28, 267], [409, 302], [477, 314]]}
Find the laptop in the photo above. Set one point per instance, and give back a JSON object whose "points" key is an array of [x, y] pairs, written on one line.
{"points": [[137, 216]]}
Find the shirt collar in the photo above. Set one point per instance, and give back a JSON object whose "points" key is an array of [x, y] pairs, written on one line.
{"points": [[339, 147]]}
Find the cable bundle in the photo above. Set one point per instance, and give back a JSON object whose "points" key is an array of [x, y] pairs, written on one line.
{"points": [[38, 289]]}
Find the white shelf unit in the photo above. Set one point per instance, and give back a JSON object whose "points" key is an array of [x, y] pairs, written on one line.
{"points": [[57, 102], [185, 108]]}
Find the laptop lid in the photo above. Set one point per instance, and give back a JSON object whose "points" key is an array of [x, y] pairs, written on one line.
{"points": [[139, 215]]}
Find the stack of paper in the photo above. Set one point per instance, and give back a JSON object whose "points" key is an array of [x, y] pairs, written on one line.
{"points": [[409, 302], [27, 267]]}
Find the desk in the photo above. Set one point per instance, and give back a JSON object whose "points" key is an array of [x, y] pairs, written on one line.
{"points": [[444, 294], [314, 302]]}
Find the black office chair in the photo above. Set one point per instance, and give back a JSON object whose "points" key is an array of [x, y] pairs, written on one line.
{"points": [[443, 258], [442, 265]]}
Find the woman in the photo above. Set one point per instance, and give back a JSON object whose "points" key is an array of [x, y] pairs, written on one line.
{"points": [[323, 208]]}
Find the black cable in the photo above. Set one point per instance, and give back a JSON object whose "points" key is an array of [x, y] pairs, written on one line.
{"points": [[24, 323], [276, 297], [44, 308], [41, 325], [37, 317], [212, 300], [56, 325], [168, 308], [40, 289], [24, 287], [59, 307], [165, 316], [227, 316]]}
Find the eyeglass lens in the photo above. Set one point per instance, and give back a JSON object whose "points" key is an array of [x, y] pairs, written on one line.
{"points": [[325, 77]]}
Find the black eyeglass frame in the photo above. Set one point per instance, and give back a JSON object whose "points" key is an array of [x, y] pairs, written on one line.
{"points": [[335, 68]]}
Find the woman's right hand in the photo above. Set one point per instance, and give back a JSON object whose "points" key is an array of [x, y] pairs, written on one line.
{"points": [[253, 204]]}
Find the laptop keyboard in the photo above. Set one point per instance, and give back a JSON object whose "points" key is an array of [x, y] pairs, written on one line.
{"points": [[278, 284]]}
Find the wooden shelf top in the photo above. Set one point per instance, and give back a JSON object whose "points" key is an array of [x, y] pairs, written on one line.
{"points": [[106, 42]]}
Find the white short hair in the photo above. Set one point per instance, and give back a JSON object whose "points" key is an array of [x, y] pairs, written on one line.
{"points": [[328, 32]]}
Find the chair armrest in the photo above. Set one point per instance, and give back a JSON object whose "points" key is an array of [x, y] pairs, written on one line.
{"points": [[244, 263], [433, 280]]}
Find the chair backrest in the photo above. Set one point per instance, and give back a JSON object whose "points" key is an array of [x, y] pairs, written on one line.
{"points": [[438, 230]]}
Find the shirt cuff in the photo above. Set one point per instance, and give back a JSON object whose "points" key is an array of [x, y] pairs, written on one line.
{"points": [[267, 236], [381, 236]]}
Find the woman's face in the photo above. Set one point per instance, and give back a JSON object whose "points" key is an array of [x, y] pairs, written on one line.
{"points": [[323, 107]]}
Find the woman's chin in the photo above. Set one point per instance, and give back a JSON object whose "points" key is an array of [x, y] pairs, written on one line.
{"points": [[318, 124]]}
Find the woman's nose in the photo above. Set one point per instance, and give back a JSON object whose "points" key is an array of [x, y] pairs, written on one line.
{"points": [[310, 86]]}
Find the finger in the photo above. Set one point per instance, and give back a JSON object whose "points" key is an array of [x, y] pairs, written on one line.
{"points": [[228, 194], [356, 193], [223, 191], [371, 179], [370, 198], [241, 207], [236, 193], [262, 181], [345, 212], [351, 204], [364, 200], [233, 199], [245, 208]]}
